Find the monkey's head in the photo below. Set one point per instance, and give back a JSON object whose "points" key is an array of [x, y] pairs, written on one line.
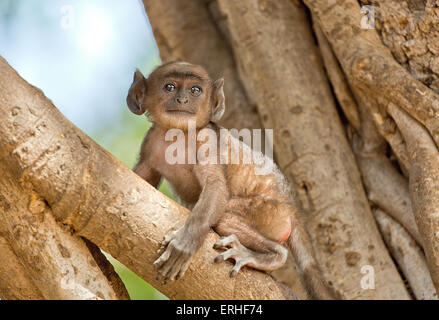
{"points": [[176, 93]]}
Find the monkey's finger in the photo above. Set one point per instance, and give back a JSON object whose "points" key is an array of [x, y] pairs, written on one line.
{"points": [[162, 259], [218, 244], [175, 269], [163, 271], [167, 265], [230, 241], [231, 253], [238, 265], [218, 258], [168, 238], [166, 257], [183, 269]]}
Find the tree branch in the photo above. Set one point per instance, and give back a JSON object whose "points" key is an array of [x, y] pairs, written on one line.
{"points": [[370, 66], [423, 184], [409, 256], [47, 261]]}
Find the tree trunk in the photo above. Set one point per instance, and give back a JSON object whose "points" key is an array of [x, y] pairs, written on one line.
{"points": [[322, 171], [389, 90]]}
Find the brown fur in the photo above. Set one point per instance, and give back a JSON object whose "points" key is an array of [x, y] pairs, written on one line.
{"points": [[256, 213]]}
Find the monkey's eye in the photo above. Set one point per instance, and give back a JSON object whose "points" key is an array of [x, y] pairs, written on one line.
{"points": [[169, 87], [195, 90]]}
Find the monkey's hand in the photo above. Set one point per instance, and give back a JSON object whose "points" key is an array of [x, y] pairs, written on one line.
{"points": [[174, 261]]}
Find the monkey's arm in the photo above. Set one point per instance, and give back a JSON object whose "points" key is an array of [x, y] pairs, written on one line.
{"points": [[184, 242], [143, 167], [212, 201], [147, 173]]}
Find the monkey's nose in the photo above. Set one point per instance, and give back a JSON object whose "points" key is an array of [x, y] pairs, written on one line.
{"points": [[182, 100]]}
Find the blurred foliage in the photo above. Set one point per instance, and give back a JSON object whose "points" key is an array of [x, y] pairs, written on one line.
{"points": [[137, 288]]}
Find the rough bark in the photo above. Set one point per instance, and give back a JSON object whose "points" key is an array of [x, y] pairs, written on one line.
{"points": [[337, 79], [14, 281], [48, 262], [410, 29], [404, 110], [96, 197], [410, 258], [370, 66], [423, 184], [284, 75], [385, 187]]}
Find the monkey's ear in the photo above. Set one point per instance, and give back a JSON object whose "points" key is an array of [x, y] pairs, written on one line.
{"points": [[219, 105], [137, 93]]}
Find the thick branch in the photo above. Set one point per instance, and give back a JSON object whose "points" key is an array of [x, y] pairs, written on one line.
{"points": [[423, 184], [100, 199], [371, 69], [388, 190], [337, 79], [385, 186], [409, 256], [350, 109], [370, 66], [48, 262], [15, 283]]}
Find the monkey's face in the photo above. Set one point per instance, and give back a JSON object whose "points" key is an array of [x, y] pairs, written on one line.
{"points": [[175, 94], [179, 94]]}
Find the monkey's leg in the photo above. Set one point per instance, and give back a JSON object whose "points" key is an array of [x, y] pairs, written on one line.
{"points": [[247, 246], [280, 220]]}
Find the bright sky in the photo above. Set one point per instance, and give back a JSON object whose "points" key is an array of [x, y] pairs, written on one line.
{"points": [[81, 53]]}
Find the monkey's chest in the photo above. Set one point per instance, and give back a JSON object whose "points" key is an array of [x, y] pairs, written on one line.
{"points": [[183, 182]]}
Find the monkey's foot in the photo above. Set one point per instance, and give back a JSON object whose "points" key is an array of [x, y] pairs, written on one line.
{"points": [[237, 252]]}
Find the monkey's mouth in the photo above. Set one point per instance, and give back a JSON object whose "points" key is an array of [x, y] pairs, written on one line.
{"points": [[180, 112]]}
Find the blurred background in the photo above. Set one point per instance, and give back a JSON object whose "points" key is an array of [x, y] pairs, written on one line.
{"points": [[83, 54]]}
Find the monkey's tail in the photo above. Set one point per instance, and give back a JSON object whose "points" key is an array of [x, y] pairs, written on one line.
{"points": [[300, 245]]}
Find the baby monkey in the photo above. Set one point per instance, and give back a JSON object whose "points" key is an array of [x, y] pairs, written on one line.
{"points": [[254, 213]]}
